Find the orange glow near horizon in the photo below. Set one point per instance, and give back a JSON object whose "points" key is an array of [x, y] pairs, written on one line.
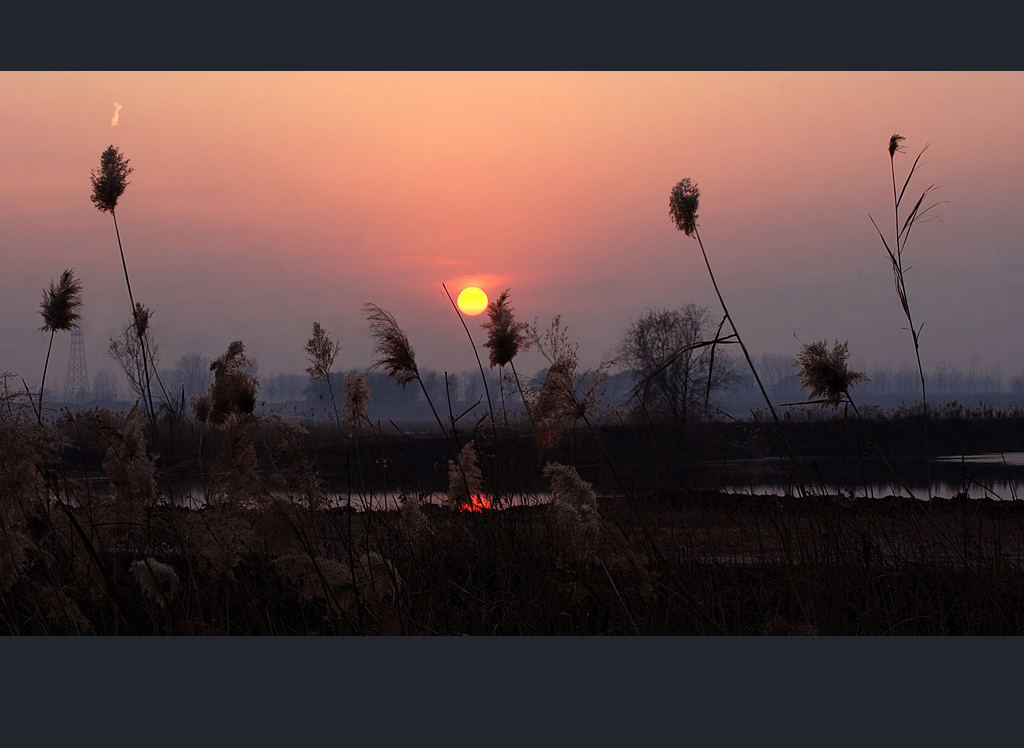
{"points": [[472, 301], [316, 192], [477, 503]]}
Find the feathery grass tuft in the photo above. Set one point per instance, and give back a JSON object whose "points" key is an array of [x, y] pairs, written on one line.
{"points": [[142, 316], [465, 480], [394, 353], [233, 390], [322, 352], [60, 303], [505, 336], [357, 397], [825, 373], [895, 144], [683, 204], [158, 581], [60, 312], [109, 180]]}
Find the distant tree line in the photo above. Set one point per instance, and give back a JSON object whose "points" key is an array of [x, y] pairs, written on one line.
{"points": [[671, 366]]}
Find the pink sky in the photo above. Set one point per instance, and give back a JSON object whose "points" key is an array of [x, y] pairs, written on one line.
{"points": [[261, 202]]}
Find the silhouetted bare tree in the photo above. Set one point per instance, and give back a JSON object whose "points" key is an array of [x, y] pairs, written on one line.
{"points": [[132, 348], [191, 374], [670, 355]]}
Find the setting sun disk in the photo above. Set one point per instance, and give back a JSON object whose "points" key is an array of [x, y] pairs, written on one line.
{"points": [[472, 301]]}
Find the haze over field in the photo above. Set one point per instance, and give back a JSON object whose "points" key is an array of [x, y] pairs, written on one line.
{"points": [[262, 201]]}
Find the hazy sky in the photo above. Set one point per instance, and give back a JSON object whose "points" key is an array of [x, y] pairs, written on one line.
{"points": [[262, 201]]}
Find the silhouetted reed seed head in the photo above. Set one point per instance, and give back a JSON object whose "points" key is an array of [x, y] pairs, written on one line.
{"points": [[504, 335], [127, 463], [394, 354], [895, 145], [556, 401], [357, 397], [683, 204], [157, 581], [465, 480], [568, 488], [825, 373], [322, 352], [575, 504], [142, 316], [109, 180], [60, 303], [233, 390]]}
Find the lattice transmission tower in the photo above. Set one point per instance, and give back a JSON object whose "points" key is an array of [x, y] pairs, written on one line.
{"points": [[76, 385]]}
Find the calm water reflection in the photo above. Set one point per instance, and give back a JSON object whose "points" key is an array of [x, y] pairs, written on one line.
{"points": [[993, 476]]}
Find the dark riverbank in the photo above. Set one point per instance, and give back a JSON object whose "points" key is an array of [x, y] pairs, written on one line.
{"points": [[653, 547], [816, 456], [690, 563]]}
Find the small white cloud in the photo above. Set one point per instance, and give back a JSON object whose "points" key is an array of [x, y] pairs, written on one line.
{"points": [[117, 113]]}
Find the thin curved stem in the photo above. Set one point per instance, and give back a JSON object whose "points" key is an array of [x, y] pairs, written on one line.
{"points": [[878, 450], [42, 384], [750, 362], [146, 360], [522, 394], [134, 318], [476, 353], [732, 324]]}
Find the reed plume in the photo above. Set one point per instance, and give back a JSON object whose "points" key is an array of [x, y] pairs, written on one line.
{"points": [[322, 351], [158, 581], [683, 204], [465, 479], [232, 394], [127, 463], [565, 395], [825, 373], [505, 336], [575, 507], [60, 303], [110, 180], [59, 309], [357, 397], [134, 349], [394, 353]]}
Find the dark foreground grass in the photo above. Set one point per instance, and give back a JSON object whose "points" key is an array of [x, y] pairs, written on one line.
{"points": [[691, 563]]}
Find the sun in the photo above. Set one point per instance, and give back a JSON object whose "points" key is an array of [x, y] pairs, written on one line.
{"points": [[472, 301]]}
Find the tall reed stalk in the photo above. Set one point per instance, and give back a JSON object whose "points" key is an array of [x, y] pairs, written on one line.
{"points": [[895, 248], [322, 351], [109, 182], [683, 204]]}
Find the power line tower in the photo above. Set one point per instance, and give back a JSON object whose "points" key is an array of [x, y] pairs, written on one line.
{"points": [[76, 385]]}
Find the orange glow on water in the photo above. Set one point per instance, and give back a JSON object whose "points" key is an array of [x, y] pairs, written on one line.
{"points": [[477, 503]]}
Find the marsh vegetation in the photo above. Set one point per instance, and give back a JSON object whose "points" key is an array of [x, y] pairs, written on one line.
{"points": [[529, 508]]}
